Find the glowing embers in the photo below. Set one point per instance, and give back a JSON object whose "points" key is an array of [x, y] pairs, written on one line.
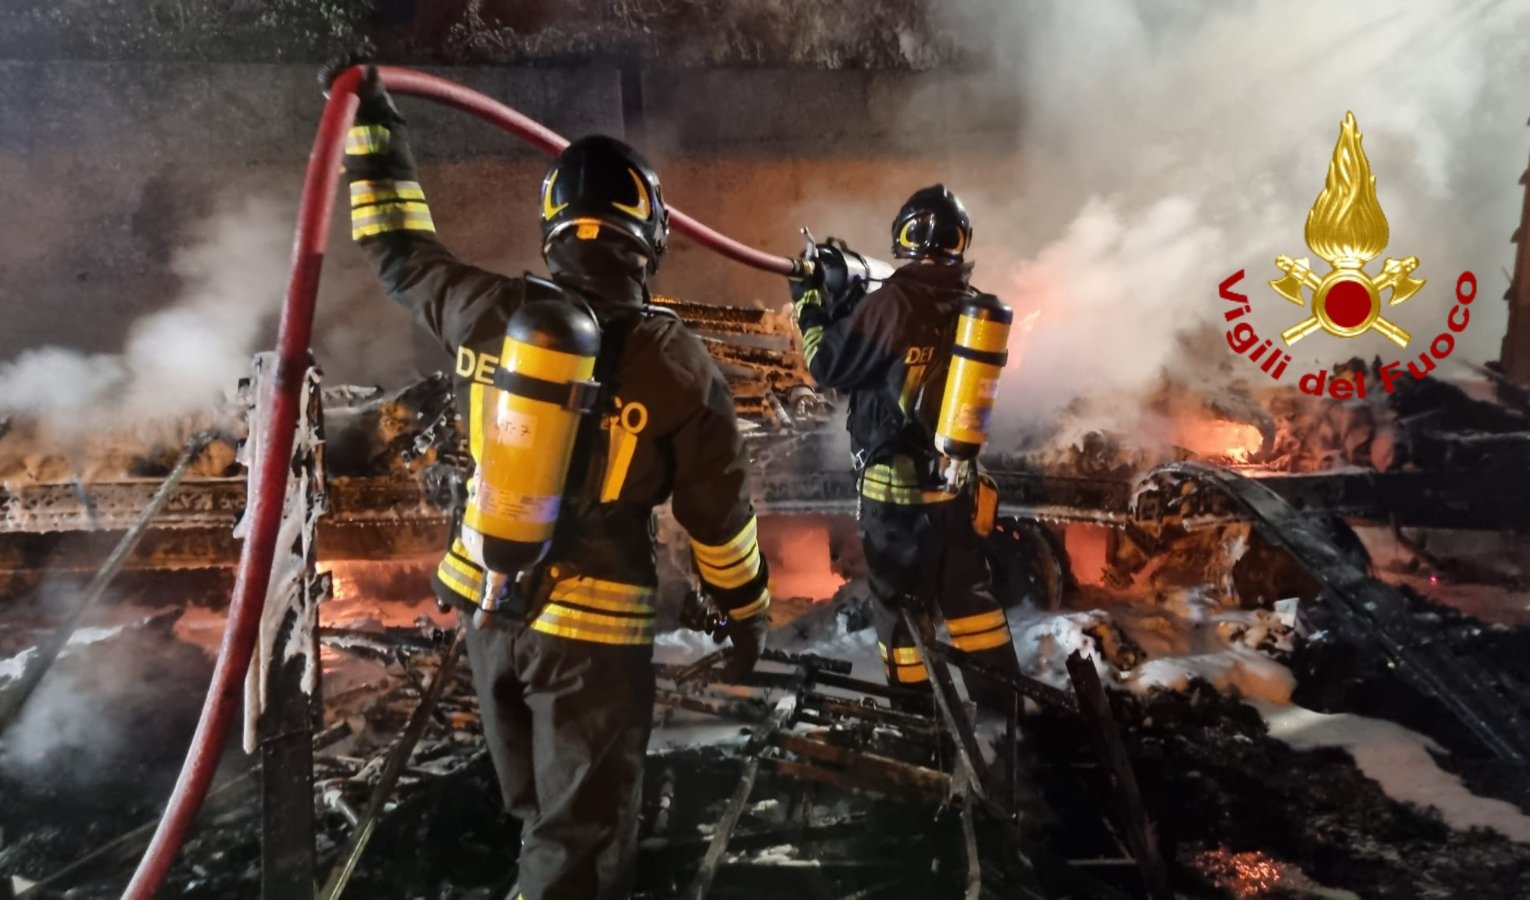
{"points": [[1250, 874], [1218, 439]]}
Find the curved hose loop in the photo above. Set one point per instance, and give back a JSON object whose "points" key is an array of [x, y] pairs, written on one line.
{"points": [[430, 87], [225, 693]]}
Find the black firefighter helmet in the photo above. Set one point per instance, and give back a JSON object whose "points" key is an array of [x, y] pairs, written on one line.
{"points": [[599, 187], [932, 224]]}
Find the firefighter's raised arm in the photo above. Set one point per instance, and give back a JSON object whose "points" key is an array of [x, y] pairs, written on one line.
{"points": [[391, 222], [853, 350], [711, 502]]}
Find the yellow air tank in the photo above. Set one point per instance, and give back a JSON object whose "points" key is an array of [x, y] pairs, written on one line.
{"points": [[978, 355], [541, 392]]}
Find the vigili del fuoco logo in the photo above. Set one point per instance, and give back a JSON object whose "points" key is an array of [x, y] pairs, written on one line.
{"points": [[1346, 229]]}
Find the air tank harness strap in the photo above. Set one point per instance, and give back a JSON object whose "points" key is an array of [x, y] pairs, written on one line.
{"points": [[574, 396]]}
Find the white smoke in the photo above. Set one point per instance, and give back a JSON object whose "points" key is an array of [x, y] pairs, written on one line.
{"points": [[181, 359], [1164, 146]]}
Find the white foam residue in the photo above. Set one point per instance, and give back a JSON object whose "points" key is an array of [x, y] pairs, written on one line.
{"points": [[1237, 670], [287, 589], [1044, 644], [781, 853], [15, 666], [1399, 760]]}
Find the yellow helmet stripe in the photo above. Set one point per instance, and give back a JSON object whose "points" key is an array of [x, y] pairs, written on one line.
{"points": [[548, 210], [643, 209]]}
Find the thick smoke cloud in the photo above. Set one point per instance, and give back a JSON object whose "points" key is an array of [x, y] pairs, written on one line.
{"points": [[183, 358], [1165, 146]]}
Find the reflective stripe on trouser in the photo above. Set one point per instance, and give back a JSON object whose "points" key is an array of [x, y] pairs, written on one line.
{"points": [[566, 724], [983, 631], [931, 553], [902, 665]]}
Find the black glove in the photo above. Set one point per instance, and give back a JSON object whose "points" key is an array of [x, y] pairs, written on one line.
{"points": [[748, 637], [376, 106], [354, 56]]}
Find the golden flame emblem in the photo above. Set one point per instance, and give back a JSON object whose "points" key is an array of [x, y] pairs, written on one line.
{"points": [[1347, 228]]}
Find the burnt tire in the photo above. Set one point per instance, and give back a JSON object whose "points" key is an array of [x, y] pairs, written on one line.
{"points": [[1029, 564]]}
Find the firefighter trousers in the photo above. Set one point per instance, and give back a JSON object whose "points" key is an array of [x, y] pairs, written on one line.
{"points": [[567, 723], [929, 554]]}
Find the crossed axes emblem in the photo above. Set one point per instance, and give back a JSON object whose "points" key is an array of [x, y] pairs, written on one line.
{"points": [[1395, 274]]}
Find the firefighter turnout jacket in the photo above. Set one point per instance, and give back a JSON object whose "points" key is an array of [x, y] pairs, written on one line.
{"points": [[667, 429], [891, 352]]}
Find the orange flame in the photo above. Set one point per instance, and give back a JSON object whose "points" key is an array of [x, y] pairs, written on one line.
{"points": [[1218, 439], [800, 561]]}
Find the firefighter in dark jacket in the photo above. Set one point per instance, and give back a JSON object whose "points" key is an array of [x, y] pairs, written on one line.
{"points": [[890, 351], [566, 690]]}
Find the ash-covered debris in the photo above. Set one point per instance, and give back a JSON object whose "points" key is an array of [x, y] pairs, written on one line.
{"points": [[1218, 781], [32, 452], [77, 768]]}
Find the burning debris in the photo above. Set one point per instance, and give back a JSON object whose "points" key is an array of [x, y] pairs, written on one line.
{"points": [[1189, 600], [1237, 611]]}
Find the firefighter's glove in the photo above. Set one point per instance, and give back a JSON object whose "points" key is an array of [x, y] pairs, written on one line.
{"points": [[375, 104], [748, 638], [808, 308]]}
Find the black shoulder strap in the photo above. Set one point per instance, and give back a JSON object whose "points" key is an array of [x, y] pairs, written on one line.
{"points": [[579, 492]]}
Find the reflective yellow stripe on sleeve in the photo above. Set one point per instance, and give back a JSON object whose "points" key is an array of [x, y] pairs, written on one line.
{"points": [[810, 341], [753, 608], [461, 576], [363, 140], [731, 549], [365, 192], [733, 563], [387, 217]]}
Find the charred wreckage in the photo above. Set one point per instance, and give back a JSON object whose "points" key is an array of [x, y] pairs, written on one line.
{"points": [[812, 760], [1247, 544]]}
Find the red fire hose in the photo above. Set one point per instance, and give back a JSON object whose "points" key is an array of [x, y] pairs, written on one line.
{"points": [[225, 694]]}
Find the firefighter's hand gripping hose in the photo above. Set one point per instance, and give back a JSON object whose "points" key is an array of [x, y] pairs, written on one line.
{"points": [[225, 694]]}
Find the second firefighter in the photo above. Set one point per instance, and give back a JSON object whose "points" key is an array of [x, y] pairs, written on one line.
{"points": [[891, 352]]}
